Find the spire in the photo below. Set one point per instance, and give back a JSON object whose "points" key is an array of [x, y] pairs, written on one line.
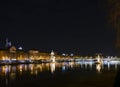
{"points": [[8, 43], [52, 52]]}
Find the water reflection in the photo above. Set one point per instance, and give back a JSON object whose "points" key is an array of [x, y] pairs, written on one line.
{"points": [[98, 68], [116, 66], [37, 68], [52, 67], [108, 66], [10, 72]]}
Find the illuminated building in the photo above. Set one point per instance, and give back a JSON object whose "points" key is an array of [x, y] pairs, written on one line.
{"points": [[20, 48], [52, 56], [12, 49]]}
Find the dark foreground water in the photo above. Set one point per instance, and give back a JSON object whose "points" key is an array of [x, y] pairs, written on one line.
{"points": [[67, 74]]}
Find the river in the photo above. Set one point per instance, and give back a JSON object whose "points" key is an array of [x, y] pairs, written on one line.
{"points": [[65, 74]]}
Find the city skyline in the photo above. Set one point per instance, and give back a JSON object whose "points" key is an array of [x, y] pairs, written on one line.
{"points": [[78, 27], [60, 43]]}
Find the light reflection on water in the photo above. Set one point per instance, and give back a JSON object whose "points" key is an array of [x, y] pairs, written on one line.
{"points": [[37, 68], [10, 72]]}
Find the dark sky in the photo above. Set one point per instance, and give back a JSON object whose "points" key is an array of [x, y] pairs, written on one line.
{"points": [[77, 26]]}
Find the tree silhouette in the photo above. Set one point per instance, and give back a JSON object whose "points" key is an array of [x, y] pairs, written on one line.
{"points": [[114, 19]]}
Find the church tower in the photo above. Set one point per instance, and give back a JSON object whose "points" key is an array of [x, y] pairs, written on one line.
{"points": [[52, 56], [7, 44]]}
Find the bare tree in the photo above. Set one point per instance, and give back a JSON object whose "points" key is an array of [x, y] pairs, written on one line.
{"points": [[114, 19]]}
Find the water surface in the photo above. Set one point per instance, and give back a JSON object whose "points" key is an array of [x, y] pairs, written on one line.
{"points": [[65, 74]]}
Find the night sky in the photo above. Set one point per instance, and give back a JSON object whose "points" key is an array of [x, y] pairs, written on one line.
{"points": [[65, 26]]}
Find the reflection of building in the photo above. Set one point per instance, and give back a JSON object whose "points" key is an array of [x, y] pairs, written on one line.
{"points": [[98, 67], [52, 67]]}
